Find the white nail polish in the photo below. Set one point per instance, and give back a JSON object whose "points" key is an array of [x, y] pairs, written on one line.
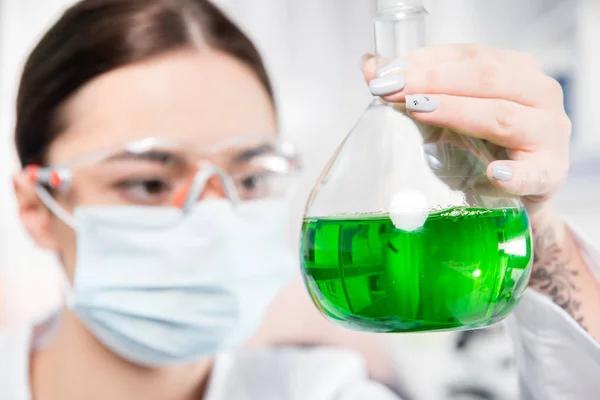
{"points": [[421, 103], [502, 172], [387, 85]]}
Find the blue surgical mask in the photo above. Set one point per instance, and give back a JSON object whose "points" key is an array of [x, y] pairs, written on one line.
{"points": [[176, 294]]}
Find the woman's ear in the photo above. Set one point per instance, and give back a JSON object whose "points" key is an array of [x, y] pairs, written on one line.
{"points": [[34, 215]]}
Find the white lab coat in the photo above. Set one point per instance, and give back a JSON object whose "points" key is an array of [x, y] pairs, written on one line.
{"points": [[556, 359], [292, 373]]}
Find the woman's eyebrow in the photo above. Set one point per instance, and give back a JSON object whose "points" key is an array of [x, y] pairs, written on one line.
{"points": [[156, 156], [249, 154]]}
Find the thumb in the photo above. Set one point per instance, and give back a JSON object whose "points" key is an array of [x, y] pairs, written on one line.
{"points": [[525, 178]]}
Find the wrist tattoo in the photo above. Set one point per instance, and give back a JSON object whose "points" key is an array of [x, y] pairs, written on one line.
{"points": [[552, 274]]}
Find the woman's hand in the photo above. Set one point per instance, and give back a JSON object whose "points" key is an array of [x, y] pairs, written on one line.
{"points": [[506, 99], [497, 95]]}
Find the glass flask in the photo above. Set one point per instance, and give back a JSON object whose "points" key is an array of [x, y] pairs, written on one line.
{"points": [[404, 231]]}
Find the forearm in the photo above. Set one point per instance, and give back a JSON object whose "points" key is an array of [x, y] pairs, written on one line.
{"points": [[560, 272]]}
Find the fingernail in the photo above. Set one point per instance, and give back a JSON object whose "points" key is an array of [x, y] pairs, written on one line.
{"points": [[395, 67], [502, 172], [421, 103], [387, 85]]}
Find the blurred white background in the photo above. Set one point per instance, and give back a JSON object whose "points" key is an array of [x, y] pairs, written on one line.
{"points": [[312, 49]]}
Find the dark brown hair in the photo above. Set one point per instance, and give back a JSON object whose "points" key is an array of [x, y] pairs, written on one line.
{"points": [[97, 36]]}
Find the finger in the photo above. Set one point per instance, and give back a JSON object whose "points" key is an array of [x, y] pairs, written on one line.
{"points": [[488, 59], [443, 53], [492, 80], [501, 122], [533, 177]]}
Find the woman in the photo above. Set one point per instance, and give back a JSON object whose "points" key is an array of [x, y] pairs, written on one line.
{"points": [[151, 167]]}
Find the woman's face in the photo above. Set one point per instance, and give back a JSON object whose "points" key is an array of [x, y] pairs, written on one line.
{"points": [[194, 100]]}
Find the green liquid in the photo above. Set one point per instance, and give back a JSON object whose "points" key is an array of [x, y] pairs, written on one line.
{"points": [[464, 268]]}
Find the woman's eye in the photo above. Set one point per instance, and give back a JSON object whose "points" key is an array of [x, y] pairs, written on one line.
{"points": [[253, 182], [153, 187], [254, 186], [154, 191]]}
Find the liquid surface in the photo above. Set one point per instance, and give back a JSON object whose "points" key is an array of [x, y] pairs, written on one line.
{"points": [[464, 268]]}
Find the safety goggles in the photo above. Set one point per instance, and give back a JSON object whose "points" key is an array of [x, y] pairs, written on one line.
{"points": [[156, 172]]}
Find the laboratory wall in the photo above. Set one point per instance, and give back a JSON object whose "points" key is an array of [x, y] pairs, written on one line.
{"points": [[312, 50]]}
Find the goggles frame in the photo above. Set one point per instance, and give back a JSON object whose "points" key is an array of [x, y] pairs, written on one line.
{"points": [[59, 178]]}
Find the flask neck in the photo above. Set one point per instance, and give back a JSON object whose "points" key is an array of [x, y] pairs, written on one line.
{"points": [[399, 27], [384, 5]]}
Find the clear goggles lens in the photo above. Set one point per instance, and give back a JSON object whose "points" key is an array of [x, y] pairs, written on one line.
{"points": [[155, 172]]}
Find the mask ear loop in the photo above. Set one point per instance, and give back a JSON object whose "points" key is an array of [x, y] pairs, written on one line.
{"points": [[59, 180], [56, 209], [187, 198]]}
